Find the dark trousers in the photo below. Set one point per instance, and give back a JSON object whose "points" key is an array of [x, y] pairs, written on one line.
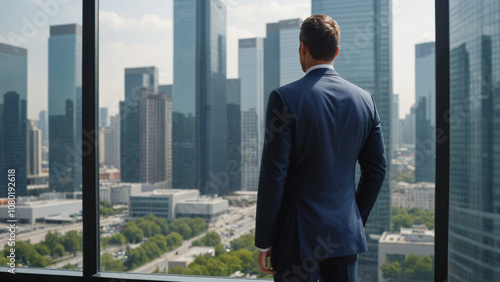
{"points": [[337, 269]]}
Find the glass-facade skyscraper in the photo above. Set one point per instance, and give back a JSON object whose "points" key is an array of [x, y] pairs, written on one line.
{"points": [[65, 107], [199, 96], [233, 99], [13, 101], [290, 69], [425, 115], [251, 73], [474, 216], [365, 59]]}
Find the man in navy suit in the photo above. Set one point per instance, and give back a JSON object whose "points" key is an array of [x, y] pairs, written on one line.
{"points": [[310, 216]]}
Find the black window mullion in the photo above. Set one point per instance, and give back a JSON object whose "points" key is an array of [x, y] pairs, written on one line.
{"points": [[90, 148], [442, 140]]}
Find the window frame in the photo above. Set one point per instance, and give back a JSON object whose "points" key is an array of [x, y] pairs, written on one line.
{"points": [[90, 163]]}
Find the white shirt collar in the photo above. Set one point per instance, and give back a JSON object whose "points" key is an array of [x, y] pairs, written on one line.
{"points": [[318, 66]]}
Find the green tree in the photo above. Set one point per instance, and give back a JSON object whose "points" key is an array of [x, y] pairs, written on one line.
{"points": [[220, 250], [181, 226], [133, 233], [174, 240], [52, 239], [72, 242], [244, 242], [212, 239], [108, 263], [217, 268], [58, 250], [42, 249], [392, 271], [117, 239]]}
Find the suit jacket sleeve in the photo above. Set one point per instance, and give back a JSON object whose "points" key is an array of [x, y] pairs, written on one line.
{"points": [[273, 171], [373, 165]]}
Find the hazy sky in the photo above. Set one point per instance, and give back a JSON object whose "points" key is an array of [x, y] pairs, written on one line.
{"points": [[135, 33]]}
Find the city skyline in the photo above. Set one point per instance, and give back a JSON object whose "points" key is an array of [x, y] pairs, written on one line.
{"points": [[119, 23]]}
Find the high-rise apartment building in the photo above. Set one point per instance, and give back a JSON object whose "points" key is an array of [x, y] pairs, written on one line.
{"points": [[199, 95], [474, 213], [13, 101], [251, 73], [425, 114], [130, 147], [233, 99], [65, 107], [33, 149], [365, 59], [154, 134], [112, 142]]}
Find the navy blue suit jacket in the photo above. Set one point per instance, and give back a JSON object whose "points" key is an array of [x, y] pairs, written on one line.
{"points": [[316, 129]]}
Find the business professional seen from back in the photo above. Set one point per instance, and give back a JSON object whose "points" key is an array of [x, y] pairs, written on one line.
{"points": [[310, 216]]}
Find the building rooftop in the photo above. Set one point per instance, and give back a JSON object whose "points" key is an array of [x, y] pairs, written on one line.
{"points": [[163, 192], [417, 234]]}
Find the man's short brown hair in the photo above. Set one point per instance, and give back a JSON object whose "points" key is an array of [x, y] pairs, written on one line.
{"points": [[321, 35]]}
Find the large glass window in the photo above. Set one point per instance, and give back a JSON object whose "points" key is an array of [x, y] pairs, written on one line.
{"points": [[40, 134]]}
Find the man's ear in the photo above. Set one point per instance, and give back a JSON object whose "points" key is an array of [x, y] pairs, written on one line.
{"points": [[337, 53], [302, 48]]}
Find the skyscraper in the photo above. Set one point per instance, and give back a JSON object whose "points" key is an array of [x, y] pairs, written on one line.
{"points": [[281, 55], [199, 95], [365, 59], [103, 117], [271, 60], [135, 80], [233, 99], [474, 221], [251, 73], [425, 116], [13, 99], [33, 149], [155, 127], [290, 69], [112, 142], [395, 122], [65, 97], [42, 125]]}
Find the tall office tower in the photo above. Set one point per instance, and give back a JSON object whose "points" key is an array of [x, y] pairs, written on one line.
{"points": [[13, 97], [290, 69], [65, 106], [167, 91], [365, 59], [130, 150], [425, 114], [112, 142], [42, 125], [103, 117], [233, 99], [271, 60], [154, 113], [199, 95], [409, 128], [474, 141], [281, 55], [251, 73], [33, 149], [395, 122]]}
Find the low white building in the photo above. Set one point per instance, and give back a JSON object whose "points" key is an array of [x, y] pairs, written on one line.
{"points": [[160, 202], [416, 240], [54, 211], [205, 207]]}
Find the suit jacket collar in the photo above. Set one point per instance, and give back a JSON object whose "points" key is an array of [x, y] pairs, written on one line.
{"points": [[322, 71]]}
